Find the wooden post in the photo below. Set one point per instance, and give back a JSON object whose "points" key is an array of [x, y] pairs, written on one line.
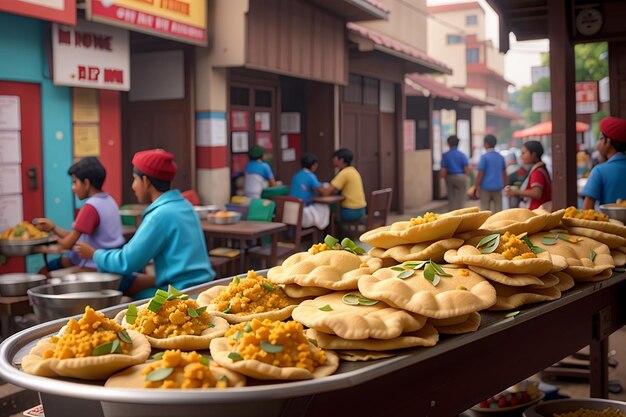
{"points": [[562, 86]]}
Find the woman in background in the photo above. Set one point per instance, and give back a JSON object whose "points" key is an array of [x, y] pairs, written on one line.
{"points": [[536, 190]]}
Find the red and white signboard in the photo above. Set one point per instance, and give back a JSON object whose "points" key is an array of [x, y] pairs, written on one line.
{"points": [[586, 97], [91, 55], [62, 11]]}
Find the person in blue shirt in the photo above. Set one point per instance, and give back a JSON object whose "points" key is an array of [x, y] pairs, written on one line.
{"points": [[304, 185], [170, 233], [491, 177], [606, 181], [455, 170], [256, 173]]}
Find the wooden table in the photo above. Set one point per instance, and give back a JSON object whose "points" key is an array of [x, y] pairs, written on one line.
{"points": [[243, 231], [9, 308]]}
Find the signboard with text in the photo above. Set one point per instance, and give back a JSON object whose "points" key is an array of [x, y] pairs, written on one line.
{"points": [[91, 55], [586, 97], [181, 20], [62, 11]]}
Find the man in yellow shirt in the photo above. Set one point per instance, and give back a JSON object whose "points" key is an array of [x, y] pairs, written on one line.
{"points": [[347, 181]]}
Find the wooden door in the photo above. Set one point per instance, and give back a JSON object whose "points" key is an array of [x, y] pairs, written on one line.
{"points": [[388, 157], [30, 166], [360, 133]]}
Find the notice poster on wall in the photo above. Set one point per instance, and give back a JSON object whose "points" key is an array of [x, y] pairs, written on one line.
{"points": [[239, 120], [10, 211], [10, 113], [262, 121], [10, 179], [290, 122], [264, 140], [86, 140], [85, 108], [10, 149], [239, 142]]}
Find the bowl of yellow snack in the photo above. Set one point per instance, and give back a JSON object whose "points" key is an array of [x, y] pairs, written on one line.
{"points": [[21, 239], [615, 211], [223, 217], [572, 407]]}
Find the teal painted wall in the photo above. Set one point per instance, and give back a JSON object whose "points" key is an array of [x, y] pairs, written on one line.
{"points": [[23, 58]]}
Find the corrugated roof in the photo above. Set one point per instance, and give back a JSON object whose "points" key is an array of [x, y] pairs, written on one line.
{"points": [[455, 7], [394, 47], [417, 83], [483, 69]]}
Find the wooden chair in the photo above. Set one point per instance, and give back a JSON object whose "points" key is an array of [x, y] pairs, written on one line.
{"points": [[377, 210], [288, 211]]}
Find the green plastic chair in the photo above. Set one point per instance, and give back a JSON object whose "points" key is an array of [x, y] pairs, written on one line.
{"points": [[262, 210]]}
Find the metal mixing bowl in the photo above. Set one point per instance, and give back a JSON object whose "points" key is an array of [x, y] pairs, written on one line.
{"points": [[549, 408], [202, 211], [107, 281], [232, 217], [614, 211], [53, 301], [19, 247], [14, 285]]}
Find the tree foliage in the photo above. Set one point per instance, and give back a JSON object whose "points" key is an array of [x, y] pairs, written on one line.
{"points": [[591, 65]]}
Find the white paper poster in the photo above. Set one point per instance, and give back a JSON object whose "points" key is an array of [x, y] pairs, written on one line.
{"points": [[10, 113], [10, 179], [290, 122], [289, 155], [10, 150], [210, 132], [284, 141], [10, 211]]}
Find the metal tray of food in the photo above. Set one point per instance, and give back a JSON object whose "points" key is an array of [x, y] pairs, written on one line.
{"points": [[23, 247], [258, 399]]}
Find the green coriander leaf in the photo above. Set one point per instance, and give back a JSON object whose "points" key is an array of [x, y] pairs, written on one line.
{"points": [[364, 301], [397, 268], [159, 374], [173, 291], [235, 357], [487, 240], [313, 342], [592, 255], [237, 335], [236, 280], [512, 314], [429, 273], [125, 337], [268, 286], [536, 250], [271, 348], [327, 307], [227, 309], [200, 310], [436, 280], [223, 379], [204, 360], [192, 312], [247, 328], [103, 349], [548, 240], [350, 299], [406, 273], [211, 325], [158, 356]]}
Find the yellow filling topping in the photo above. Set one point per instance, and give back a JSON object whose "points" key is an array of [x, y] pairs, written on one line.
{"points": [[250, 295], [188, 372], [23, 231], [318, 247], [247, 340], [513, 248], [589, 214], [428, 217], [173, 319], [83, 336]]}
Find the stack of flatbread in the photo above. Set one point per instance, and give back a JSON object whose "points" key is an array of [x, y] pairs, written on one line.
{"points": [[359, 328], [517, 281], [610, 232], [309, 275], [404, 242], [580, 257]]}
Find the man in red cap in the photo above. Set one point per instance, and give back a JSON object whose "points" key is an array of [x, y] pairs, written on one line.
{"points": [[170, 233], [606, 182]]}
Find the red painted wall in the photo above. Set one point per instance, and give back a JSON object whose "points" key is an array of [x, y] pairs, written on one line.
{"points": [[111, 143]]}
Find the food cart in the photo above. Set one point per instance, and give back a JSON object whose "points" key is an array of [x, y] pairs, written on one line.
{"points": [[443, 380]]}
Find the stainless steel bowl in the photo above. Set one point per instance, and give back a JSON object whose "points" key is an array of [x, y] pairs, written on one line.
{"points": [[14, 285], [232, 217], [202, 211], [53, 301], [19, 247], [614, 211], [107, 281], [549, 408]]}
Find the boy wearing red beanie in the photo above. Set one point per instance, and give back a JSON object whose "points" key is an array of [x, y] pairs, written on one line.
{"points": [[606, 182], [170, 233]]}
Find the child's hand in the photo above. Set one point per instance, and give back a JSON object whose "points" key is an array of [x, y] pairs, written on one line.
{"points": [[85, 250], [44, 224]]}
